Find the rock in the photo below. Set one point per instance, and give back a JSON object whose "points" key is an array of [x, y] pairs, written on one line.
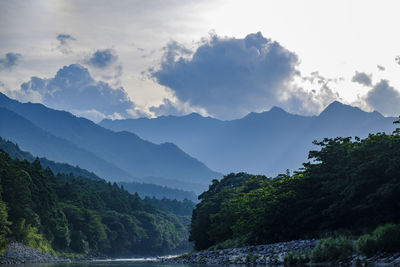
{"points": [[17, 253], [261, 254]]}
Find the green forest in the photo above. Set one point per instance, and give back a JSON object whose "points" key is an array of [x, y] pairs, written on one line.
{"points": [[348, 186], [68, 215]]}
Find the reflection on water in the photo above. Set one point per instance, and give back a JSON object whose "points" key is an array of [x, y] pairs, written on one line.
{"points": [[103, 263]]}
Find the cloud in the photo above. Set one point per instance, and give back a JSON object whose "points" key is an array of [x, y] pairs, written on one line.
{"points": [[316, 78], [102, 58], [381, 68], [362, 78], [104, 64], [305, 102], [384, 98], [10, 60], [74, 89], [226, 76], [176, 108], [64, 42]]}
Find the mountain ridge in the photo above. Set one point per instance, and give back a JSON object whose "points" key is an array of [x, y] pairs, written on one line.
{"points": [[267, 142], [125, 150]]}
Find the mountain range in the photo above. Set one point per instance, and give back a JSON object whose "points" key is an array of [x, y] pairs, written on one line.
{"points": [[170, 150], [115, 156], [264, 143]]}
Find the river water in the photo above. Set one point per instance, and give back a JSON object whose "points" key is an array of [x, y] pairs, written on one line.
{"points": [[113, 263]]}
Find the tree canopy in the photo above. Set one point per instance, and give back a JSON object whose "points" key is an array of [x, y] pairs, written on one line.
{"points": [[74, 214], [349, 185]]}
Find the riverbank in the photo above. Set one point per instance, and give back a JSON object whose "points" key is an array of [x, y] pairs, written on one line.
{"points": [[17, 253], [262, 254], [284, 253]]}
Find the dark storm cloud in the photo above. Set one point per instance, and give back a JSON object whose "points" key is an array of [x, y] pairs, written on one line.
{"points": [[384, 98], [362, 78], [228, 77], [102, 58], [64, 42], [9, 60], [75, 90]]}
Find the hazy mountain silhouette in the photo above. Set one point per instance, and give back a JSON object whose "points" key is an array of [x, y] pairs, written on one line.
{"points": [[15, 152], [143, 189], [268, 142], [63, 137], [43, 144]]}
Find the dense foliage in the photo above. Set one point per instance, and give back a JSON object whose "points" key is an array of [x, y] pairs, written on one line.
{"points": [[64, 213], [349, 185]]}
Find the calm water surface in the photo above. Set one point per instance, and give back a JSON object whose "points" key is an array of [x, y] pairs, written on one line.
{"points": [[114, 263]]}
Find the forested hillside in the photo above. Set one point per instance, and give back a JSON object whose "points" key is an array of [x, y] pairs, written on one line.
{"points": [[14, 152], [143, 189], [64, 213], [350, 185]]}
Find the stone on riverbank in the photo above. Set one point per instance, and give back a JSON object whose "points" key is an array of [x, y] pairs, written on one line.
{"points": [[262, 254], [17, 253]]}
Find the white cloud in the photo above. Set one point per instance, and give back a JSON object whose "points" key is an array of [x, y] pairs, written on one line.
{"points": [[74, 89], [229, 77]]}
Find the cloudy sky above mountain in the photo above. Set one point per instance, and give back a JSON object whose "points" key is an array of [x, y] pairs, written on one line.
{"points": [[119, 59]]}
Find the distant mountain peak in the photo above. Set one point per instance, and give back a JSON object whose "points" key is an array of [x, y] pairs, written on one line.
{"points": [[276, 109], [194, 115], [338, 109]]}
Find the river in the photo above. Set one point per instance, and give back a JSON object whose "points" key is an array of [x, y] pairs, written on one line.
{"points": [[113, 263]]}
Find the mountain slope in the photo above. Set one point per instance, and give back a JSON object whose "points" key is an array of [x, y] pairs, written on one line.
{"points": [[143, 189], [32, 138], [69, 214], [125, 150], [267, 142]]}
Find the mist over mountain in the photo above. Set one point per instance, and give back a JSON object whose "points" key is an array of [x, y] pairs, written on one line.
{"points": [[268, 142], [117, 156]]}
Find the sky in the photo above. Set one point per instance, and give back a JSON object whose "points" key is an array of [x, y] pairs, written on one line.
{"points": [[127, 59]]}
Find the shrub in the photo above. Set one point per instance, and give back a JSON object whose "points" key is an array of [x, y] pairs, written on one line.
{"points": [[295, 258], [385, 238], [332, 249], [367, 245], [29, 236], [229, 243], [388, 237]]}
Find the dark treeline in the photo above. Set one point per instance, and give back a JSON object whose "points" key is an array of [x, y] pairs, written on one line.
{"points": [[158, 191], [64, 213], [349, 186], [15, 152], [143, 189]]}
